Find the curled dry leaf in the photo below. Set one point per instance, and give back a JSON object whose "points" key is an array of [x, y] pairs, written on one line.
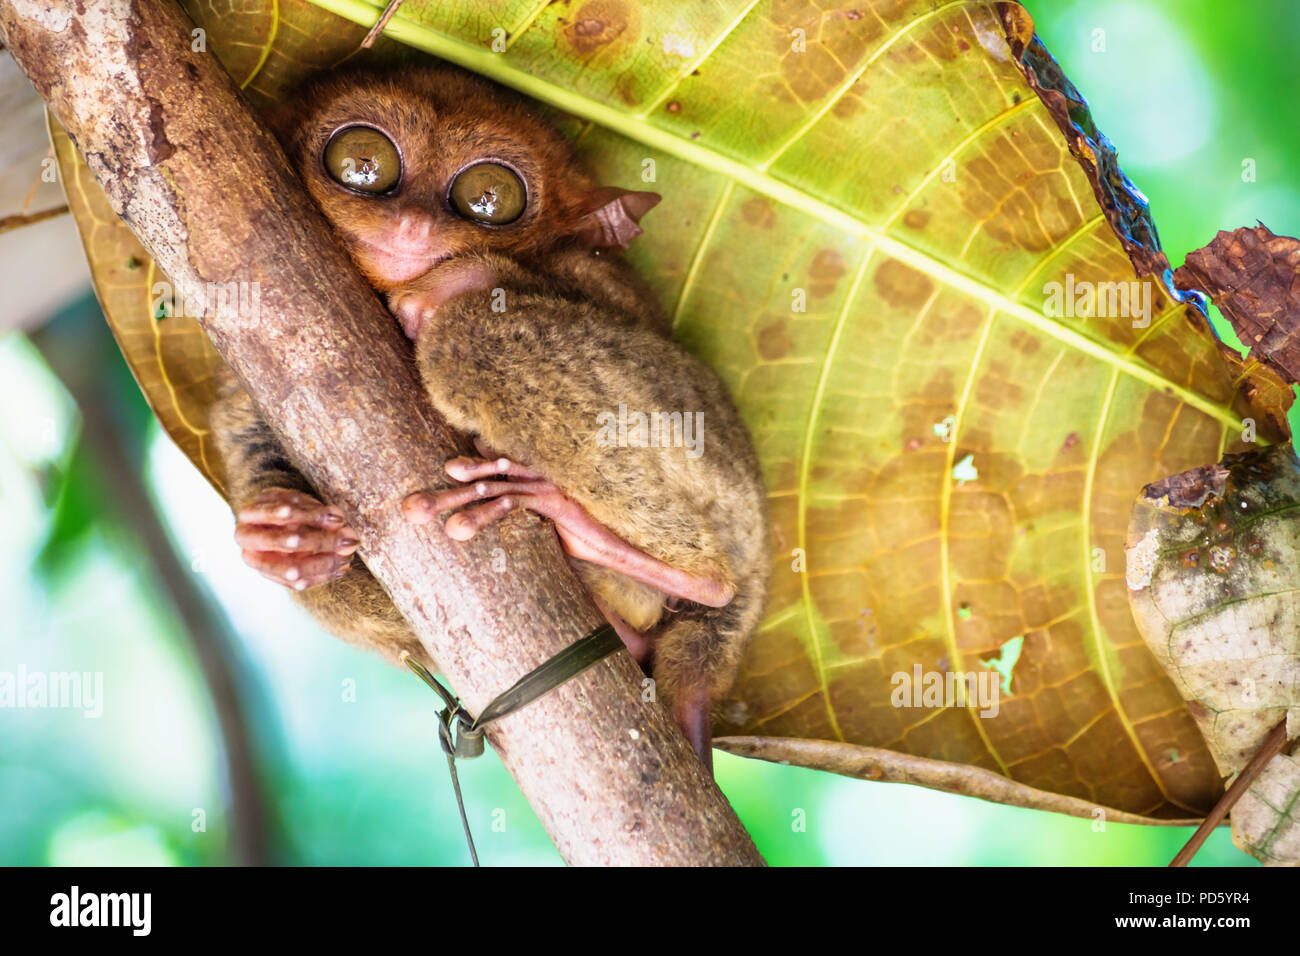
{"points": [[1253, 277], [890, 766], [880, 236], [1214, 582]]}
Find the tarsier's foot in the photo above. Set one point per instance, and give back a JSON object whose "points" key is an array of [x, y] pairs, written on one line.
{"points": [[637, 643], [582, 536], [693, 711], [484, 501], [294, 539]]}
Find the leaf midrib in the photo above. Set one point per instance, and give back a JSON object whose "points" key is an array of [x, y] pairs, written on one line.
{"points": [[496, 67]]}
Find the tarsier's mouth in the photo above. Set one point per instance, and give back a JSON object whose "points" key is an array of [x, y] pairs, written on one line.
{"points": [[397, 265]]}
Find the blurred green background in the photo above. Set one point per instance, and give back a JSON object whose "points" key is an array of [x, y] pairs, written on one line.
{"points": [[336, 758]]}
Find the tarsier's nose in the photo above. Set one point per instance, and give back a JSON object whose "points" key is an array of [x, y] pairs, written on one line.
{"points": [[413, 228], [414, 236], [403, 248]]}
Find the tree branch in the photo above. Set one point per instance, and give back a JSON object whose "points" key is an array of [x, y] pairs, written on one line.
{"points": [[9, 223], [210, 194]]}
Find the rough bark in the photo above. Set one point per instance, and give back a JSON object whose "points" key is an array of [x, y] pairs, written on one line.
{"points": [[211, 196]]}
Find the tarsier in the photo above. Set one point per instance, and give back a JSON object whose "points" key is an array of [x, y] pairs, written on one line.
{"points": [[492, 246]]}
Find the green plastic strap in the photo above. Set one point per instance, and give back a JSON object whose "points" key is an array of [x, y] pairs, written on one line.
{"points": [[544, 678], [466, 740]]}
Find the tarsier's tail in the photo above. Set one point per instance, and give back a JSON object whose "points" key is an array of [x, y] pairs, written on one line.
{"points": [[697, 651]]}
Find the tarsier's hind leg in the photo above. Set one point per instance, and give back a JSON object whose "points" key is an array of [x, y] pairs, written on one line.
{"points": [[583, 537]]}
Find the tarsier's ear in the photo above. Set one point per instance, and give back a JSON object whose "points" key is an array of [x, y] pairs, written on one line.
{"points": [[607, 218]]}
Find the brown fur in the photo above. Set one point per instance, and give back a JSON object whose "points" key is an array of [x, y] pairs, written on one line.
{"points": [[580, 335], [532, 380]]}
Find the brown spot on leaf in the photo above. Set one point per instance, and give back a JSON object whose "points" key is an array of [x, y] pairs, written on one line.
{"points": [[850, 103], [599, 23], [998, 386], [945, 44], [627, 89], [758, 212], [946, 325], [775, 341], [825, 272], [833, 45], [1016, 190], [916, 219], [924, 408], [673, 106], [1025, 342], [1221, 558], [901, 286]]}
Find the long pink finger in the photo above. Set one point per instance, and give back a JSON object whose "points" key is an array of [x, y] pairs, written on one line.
{"points": [[463, 525], [297, 571], [472, 469], [424, 506], [282, 507], [260, 537]]}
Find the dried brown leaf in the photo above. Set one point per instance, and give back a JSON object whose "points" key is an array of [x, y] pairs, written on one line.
{"points": [[1253, 276], [1214, 583]]}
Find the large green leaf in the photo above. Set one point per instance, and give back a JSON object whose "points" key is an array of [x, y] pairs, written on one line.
{"points": [[863, 204]]}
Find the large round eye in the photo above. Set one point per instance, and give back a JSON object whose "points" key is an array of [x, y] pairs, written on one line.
{"points": [[363, 158], [489, 192]]}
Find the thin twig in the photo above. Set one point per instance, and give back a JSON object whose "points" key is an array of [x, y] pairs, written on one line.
{"points": [[382, 22], [1271, 747], [9, 223], [214, 646]]}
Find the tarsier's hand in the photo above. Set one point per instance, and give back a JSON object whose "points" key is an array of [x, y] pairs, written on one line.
{"points": [[294, 539], [418, 302]]}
